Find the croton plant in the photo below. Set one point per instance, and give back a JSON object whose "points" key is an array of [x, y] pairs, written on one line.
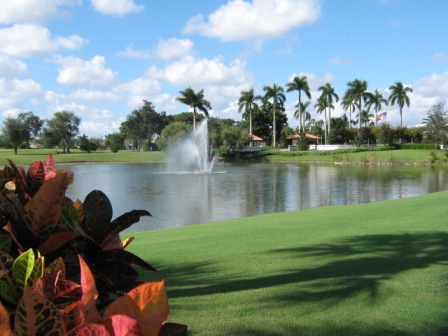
{"points": [[64, 269]]}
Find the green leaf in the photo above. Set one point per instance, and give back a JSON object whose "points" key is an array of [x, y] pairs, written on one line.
{"points": [[7, 293], [23, 267], [97, 215], [37, 272], [5, 243], [71, 216]]}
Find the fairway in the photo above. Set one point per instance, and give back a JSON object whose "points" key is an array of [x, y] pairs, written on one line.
{"points": [[373, 269]]}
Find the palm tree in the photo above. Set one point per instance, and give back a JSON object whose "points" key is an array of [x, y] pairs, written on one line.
{"points": [[365, 118], [196, 101], [302, 113], [247, 101], [376, 100], [328, 94], [299, 84], [321, 107], [349, 105], [399, 95], [357, 93], [277, 94]]}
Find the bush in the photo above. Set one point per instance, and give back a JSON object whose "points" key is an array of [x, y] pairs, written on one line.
{"points": [[64, 269]]}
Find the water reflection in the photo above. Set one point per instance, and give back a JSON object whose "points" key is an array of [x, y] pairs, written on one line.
{"points": [[246, 189]]}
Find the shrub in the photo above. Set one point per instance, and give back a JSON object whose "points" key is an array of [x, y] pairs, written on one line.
{"points": [[67, 256]]}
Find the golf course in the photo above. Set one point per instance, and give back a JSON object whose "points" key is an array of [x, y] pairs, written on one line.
{"points": [[372, 269]]}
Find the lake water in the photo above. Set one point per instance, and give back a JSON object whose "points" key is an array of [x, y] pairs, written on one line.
{"points": [[239, 190]]}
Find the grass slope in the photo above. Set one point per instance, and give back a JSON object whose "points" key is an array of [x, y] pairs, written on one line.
{"points": [[374, 269]]}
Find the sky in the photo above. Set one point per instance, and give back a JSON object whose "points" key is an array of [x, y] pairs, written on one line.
{"points": [[101, 58]]}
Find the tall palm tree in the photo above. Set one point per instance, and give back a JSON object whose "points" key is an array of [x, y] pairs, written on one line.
{"points": [[376, 100], [328, 94], [357, 93], [399, 95], [321, 107], [349, 105], [247, 101], [302, 113], [196, 101], [276, 93], [299, 84], [366, 117]]}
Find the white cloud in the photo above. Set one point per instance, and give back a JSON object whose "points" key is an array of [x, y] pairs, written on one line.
{"points": [[116, 7], [29, 40], [11, 67], [259, 19], [199, 72], [174, 48], [130, 52], [13, 94], [75, 71], [14, 11], [339, 61], [433, 85], [91, 95], [134, 92]]}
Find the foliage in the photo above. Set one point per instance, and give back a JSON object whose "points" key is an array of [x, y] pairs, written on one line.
{"points": [[399, 95], [436, 123], [61, 130], [340, 133], [419, 146], [78, 242], [86, 145], [234, 137], [386, 135], [144, 124], [196, 101], [303, 143], [364, 137], [20, 130], [115, 141], [172, 133]]}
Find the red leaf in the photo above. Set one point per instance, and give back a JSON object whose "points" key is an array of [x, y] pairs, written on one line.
{"points": [[89, 293], [56, 241], [122, 325], [36, 315], [5, 329], [50, 166], [147, 303], [90, 329], [42, 213], [35, 176]]}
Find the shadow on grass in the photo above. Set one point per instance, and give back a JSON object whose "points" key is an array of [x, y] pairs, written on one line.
{"points": [[338, 271], [359, 264]]}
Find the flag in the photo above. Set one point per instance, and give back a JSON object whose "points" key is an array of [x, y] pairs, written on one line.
{"points": [[382, 116]]}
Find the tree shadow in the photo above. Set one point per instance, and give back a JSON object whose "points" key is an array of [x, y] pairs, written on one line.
{"points": [[360, 263]]}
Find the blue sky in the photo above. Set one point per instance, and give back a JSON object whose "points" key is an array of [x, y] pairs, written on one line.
{"points": [[101, 58]]}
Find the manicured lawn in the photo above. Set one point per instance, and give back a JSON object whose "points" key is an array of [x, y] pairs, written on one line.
{"points": [[374, 269], [28, 156]]}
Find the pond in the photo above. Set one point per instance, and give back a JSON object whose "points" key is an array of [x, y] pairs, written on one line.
{"points": [[239, 190]]}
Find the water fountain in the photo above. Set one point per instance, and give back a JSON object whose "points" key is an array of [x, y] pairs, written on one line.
{"points": [[191, 154]]}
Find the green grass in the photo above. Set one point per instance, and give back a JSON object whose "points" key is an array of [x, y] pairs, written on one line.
{"points": [[374, 269], [414, 157], [28, 156]]}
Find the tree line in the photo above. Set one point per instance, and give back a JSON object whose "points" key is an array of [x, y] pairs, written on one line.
{"points": [[262, 115]]}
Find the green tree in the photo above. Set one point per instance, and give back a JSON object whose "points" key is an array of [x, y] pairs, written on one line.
{"points": [[86, 145], [234, 137], [276, 93], [399, 95], [299, 84], [14, 133], [61, 130], [436, 123], [248, 102], [366, 118], [349, 105], [376, 100], [357, 94], [328, 95], [144, 124], [196, 101], [340, 133], [33, 124], [115, 141], [386, 135], [172, 133], [302, 114]]}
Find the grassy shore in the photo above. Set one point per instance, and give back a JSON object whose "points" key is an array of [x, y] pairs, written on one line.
{"points": [[374, 269], [408, 157]]}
